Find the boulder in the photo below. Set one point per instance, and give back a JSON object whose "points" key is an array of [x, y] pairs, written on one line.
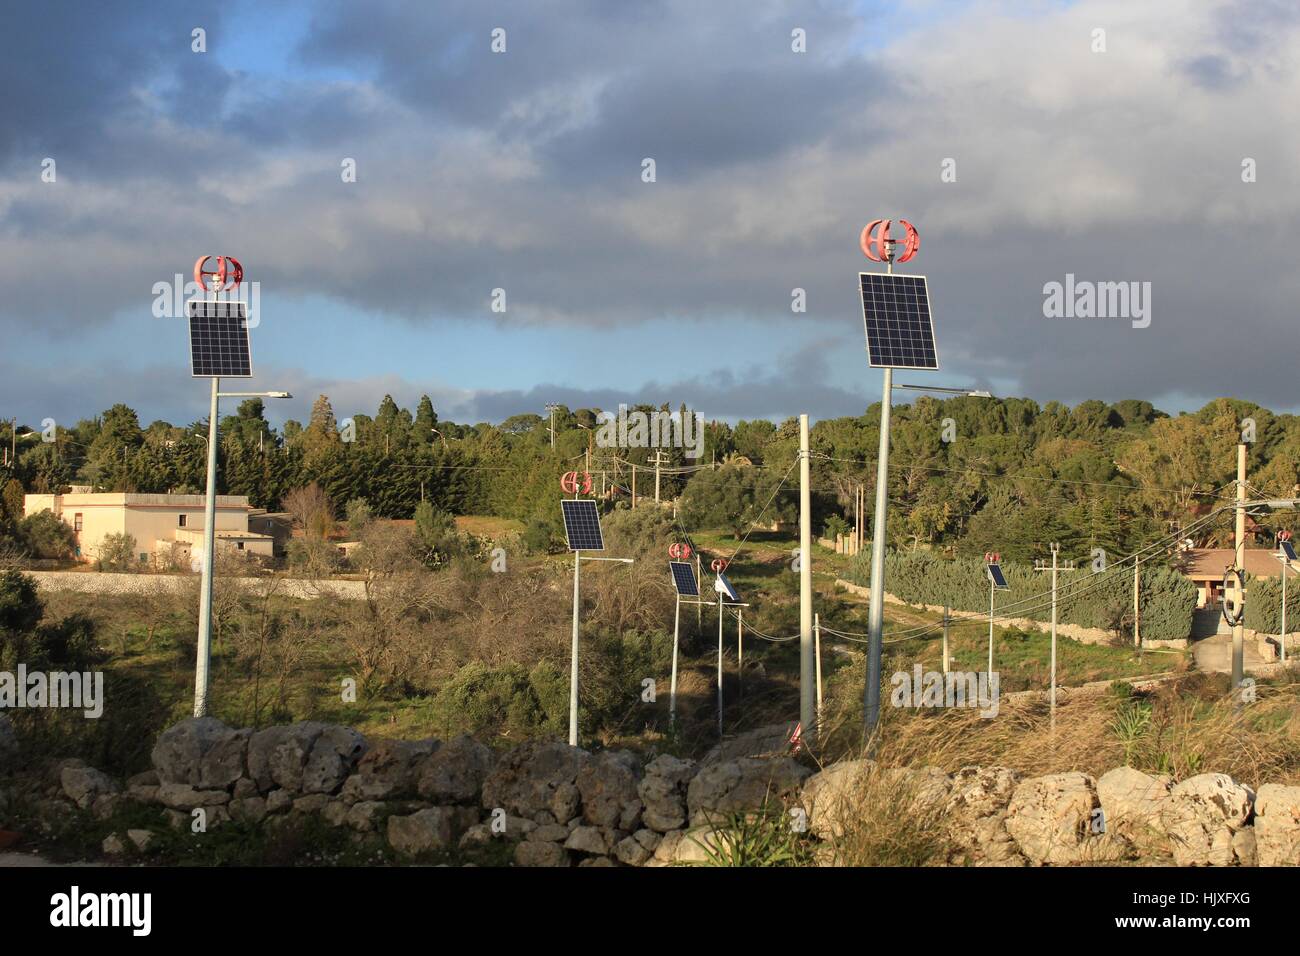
{"points": [[389, 770], [549, 833], [663, 792], [742, 785], [248, 809], [141, 839], [201, 752], [539, 853], [1130, 804], [277, 755], [335, 813], [181, 796], [333, 756], [1051, 817], [113, 845], [83, 784], [277, 801], [1245, 847], [455, 772], [1201, 816], [772, 740], [537, 777], [608, 785], [632, 852], [311, 803], [422, 832], [365, 815], [1277, 825], [977, 809], [587, 840], [830, 796]]}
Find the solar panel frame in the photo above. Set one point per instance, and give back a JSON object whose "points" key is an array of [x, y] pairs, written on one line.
{"points": [[897, 320], [730, 594], [998, 578], [582, 525], [1288, 549], [219, 345], [684, 579]]}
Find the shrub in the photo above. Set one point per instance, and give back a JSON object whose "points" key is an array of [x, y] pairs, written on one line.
{"points": [[117, 553]]}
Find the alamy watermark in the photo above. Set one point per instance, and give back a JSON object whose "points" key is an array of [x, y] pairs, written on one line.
{"points": [[82, 691], [1098, 300], [659, 429], [973, 689]]}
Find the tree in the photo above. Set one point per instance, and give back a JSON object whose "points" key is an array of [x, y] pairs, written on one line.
{"points": [[311, 510], [47, 536], [733, 497]]}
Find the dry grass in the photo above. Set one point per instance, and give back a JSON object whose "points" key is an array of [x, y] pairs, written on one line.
{"points": [[1188, 726]]}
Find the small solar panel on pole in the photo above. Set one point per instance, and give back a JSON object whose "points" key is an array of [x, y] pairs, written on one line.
{"points": [[900, 334]]}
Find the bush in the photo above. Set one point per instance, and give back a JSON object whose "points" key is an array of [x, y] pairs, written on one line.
{"points": [[117, 553], [503, 700], [1264, 604], [47, 536], [1167, 598]]}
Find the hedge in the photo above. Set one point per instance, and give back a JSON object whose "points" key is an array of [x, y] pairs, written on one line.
{"points": [[1264, 604], [921, 577]]}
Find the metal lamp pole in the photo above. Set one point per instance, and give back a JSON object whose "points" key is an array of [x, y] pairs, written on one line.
{"points": [[204, 656], [573, 665]]}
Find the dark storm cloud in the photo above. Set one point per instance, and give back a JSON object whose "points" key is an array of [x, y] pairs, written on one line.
{"points": [[522, 171]]}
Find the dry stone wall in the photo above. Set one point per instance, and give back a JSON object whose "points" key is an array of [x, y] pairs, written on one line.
{"points": [[553, 805]]}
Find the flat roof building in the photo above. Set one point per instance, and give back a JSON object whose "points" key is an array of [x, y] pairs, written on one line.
{"points": [[167, 528]]}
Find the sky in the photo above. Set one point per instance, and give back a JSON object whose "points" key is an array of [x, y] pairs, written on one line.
{"points": [[1114, 142]]}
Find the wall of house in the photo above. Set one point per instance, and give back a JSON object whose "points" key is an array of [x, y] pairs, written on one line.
{"points": [[147, 518]]}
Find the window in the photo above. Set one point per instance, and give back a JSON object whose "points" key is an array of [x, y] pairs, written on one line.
{"points": [[76, 523], [180, 521], [239, 545]]}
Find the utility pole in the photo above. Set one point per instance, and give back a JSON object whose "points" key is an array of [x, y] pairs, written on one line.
{"points": [[947, 622], [659, 455], [634, 487], [1137, 629], [807, 674], [551, 407], [817, 644], [1238, 629], [1041, 565]]}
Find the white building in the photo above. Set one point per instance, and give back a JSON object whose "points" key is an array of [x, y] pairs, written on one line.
{"points": [[166, 528]]}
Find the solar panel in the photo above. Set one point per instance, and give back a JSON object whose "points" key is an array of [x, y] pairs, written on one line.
{"points": [[725, 587], [582, 525], [684, 579], [896, 315], [219, 339], [999, 579], [1288, 549]]}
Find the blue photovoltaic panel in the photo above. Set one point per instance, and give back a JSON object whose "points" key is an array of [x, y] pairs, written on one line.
{"points": [[684, 579], [725, 588], [1288, 549], [582, 525], [219, 339], [896, 314], [999, 579]]}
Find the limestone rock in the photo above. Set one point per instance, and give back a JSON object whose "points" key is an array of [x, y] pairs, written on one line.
{"points": [[1050, 817], [278, 801], [539, 853], [83, 784], [455, 772], [550, 833], [141, 838], [1201, 817], [630, 851], [333, 756], [534, 777], [608, 785], [277, 755], [389, 770], [421, 832], [831, 795], [113, 845], [365, 815], [249, 809], [1245, 847], [181, 796], [587, 840], [976, 809], [201, 752], [663, 792], [1131, 802], [742, 785], [1277, 825], [770, 741]]}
